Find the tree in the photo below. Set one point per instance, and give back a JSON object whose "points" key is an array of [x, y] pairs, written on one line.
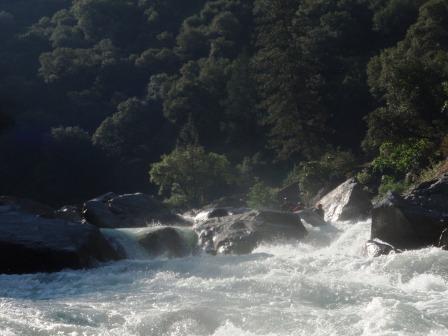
{"points": [[191, 176], [287, 82], [407, 80]]}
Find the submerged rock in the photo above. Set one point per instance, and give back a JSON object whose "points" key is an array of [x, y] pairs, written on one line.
{"points": [[166, 241], [127, 211], [241, 233], [411, 222], [349, 201], [376, 248], [31, 243]]}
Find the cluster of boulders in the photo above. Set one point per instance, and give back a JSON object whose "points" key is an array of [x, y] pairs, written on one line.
{"points": [[36, 238]]}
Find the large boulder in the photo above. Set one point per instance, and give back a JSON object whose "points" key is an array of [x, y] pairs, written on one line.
{"points": [[32, 243], [407, 224], [241, 233], [168, 242], [349, 201], [127, 211]]}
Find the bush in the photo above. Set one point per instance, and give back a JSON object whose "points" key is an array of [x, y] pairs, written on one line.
{"points": [[330, 169], [364, 177], [191, 176], [389, 183], [262, 196], [398, 159]]}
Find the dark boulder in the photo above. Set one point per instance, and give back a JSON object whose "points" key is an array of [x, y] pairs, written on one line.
{"points": [[240, 234], [311, 217], [8, 203], [349, 201], [127, 211], [31, 243], [69, 212], [406, 224], [166, 241], [376, 248]]}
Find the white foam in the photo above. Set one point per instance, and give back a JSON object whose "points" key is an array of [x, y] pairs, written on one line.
{"points": [[321, 286]]}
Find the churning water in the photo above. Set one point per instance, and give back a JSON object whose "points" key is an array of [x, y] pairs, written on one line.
{"points": [[322, 286]]}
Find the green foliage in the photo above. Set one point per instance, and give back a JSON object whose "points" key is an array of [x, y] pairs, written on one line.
{"points": [[191, 176], [389, 183], [364, 177], [397, 159], [407, 80], [330, 169], [282, 80], [262, 196]]}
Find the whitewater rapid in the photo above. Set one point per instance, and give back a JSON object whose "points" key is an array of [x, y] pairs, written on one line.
{"points": [[321, 286]]}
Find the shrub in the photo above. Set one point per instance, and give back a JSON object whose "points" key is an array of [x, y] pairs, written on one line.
{"points": [[191, 176], [262, 196], [398, 159], [312, 176], [389, 183]]}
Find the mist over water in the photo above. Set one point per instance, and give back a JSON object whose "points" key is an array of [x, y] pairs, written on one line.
{"points": [[321, 286]]}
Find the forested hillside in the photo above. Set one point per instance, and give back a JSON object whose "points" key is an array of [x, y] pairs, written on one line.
{"points": [[236, 94]]}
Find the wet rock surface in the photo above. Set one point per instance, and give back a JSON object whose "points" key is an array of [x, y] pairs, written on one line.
{"points": [[349, 201], [30, 242], [416, 220], [165, 242], [376, 248], [241, 233], [127, 211]]}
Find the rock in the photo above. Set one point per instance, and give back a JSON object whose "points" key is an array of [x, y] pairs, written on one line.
{"points": [[69, 212], [311, 217], [443, 240], [165, 241], [432, 194], [207, 213], [349, 201], [31, 243], [406, 225], [8, 203], [219, 212], [241, 233], [127, 211], [376, 248]]}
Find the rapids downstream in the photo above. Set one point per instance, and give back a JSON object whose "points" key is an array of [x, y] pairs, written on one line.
{"points": [[321, 286]]}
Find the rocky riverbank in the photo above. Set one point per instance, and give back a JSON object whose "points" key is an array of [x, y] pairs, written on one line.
{"points": [[36, 238]]}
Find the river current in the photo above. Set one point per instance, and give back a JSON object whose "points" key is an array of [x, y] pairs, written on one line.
{"points": [[321, 286]]}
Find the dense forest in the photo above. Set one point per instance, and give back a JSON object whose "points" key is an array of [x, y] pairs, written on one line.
{"points": [[201, 98]]}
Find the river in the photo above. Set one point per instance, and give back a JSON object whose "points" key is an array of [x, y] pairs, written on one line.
{"points": [[321, 286]]}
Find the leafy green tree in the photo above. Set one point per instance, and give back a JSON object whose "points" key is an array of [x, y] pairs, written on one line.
{"points": [[407, 81], [191, 176], [262, 196]]}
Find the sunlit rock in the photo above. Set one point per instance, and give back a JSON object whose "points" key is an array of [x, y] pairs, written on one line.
{"points": [[241, 233], [349, 201], [376, 247]]}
